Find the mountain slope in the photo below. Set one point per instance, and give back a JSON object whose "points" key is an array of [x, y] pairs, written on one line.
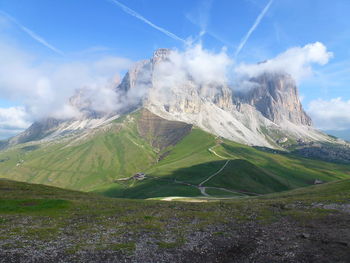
{"points": [[118, 149], [173, 134], [175, 157], [269, 114], [249, 172]]}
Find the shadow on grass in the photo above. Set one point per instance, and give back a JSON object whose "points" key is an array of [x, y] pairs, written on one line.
{"points": [[239, 175]]}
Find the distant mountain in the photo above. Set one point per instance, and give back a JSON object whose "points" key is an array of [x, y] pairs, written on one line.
{"points": [[269, 115], [343, 134], [177, 131]]}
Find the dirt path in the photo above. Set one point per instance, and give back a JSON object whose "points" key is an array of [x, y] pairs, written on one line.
{"points": [[216, 173], [213, 152], [203, 192], [200, 186]]}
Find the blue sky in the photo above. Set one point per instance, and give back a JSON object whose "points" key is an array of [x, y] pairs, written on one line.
{"points": [[82, 31]]}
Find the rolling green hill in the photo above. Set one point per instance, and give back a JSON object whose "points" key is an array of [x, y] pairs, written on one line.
{"points": [[249, 172], [178, 160], [81, 163]]}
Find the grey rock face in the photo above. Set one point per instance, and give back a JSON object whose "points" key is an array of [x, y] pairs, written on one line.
{"points": [[36, 131], [83, 104], [213, 107], [276, 97]]}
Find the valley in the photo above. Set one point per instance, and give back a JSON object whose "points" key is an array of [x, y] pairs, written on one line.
{"points": [[185, 173], [178, 160]]}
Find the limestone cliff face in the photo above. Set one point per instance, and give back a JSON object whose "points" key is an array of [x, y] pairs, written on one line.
{"points": [[36, 131], [258, 117], [172, 95], [181, 94], [276, 96], [262, 116]]}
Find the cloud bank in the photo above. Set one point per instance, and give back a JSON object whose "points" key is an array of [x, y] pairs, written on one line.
{"points": [[45, 87], [331, 114], [12, 121], [296, 61]]}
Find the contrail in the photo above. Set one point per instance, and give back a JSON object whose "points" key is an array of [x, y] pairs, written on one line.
{"points": [[31, 33], [252, 29], [140, 17]]}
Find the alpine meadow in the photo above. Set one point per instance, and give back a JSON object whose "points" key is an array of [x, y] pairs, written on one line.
{"points": [[174, 131]]}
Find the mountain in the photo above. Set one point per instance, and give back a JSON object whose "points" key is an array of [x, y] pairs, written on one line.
{"points": [[262, 116], [265, 115], [276, 96], [343, 134], [170, 134]]}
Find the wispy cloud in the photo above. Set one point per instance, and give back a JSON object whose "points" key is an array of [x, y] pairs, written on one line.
{"points": [[252, 29], [140, 17], [32, 34], [201, 19]]}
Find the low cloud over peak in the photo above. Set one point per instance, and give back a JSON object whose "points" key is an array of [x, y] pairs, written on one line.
{"points": [[45, 88], [333, 114], [296, 61]]}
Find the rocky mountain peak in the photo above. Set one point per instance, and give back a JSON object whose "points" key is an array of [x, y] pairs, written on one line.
{"points": [[160, 54], [276, 96], [259, 116]]}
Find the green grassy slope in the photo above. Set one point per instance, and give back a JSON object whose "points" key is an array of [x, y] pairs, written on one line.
{"points": [[249, 171], [95, 163], [109, 154]]}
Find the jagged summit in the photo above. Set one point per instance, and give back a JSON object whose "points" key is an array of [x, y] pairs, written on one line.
{"points": [[260, 116], [160, 54], [276, 96], [265, 115]]}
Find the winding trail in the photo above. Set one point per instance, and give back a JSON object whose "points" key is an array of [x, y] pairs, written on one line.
{"points": [[213, 152], [203, 192], [216, 173], [202, 188]]}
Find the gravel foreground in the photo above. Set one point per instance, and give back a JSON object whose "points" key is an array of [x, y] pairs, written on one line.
{"points": [[323, 238], [46, 224]]}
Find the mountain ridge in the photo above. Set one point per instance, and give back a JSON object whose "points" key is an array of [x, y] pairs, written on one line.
{"points": [[264, 115]]}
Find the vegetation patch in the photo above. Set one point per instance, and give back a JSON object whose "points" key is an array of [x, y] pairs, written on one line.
{"points": [[128, 247], [31, 205]]}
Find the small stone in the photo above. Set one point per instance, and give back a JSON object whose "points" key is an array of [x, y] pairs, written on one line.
{"points": [[305, 235]]}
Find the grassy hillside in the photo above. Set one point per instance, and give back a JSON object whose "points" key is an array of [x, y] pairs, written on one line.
{"points": [[48, 224], [249, 171], [177, 161], [117, 151]]}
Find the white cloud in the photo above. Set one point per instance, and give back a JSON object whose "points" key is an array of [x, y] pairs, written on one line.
{"points": [[331, 114], [203, 66], [296, 61], [44, 88], [12, 121]]}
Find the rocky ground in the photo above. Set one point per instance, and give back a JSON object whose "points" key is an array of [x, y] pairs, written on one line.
{"points": [[325, 152], [298, 226]]}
